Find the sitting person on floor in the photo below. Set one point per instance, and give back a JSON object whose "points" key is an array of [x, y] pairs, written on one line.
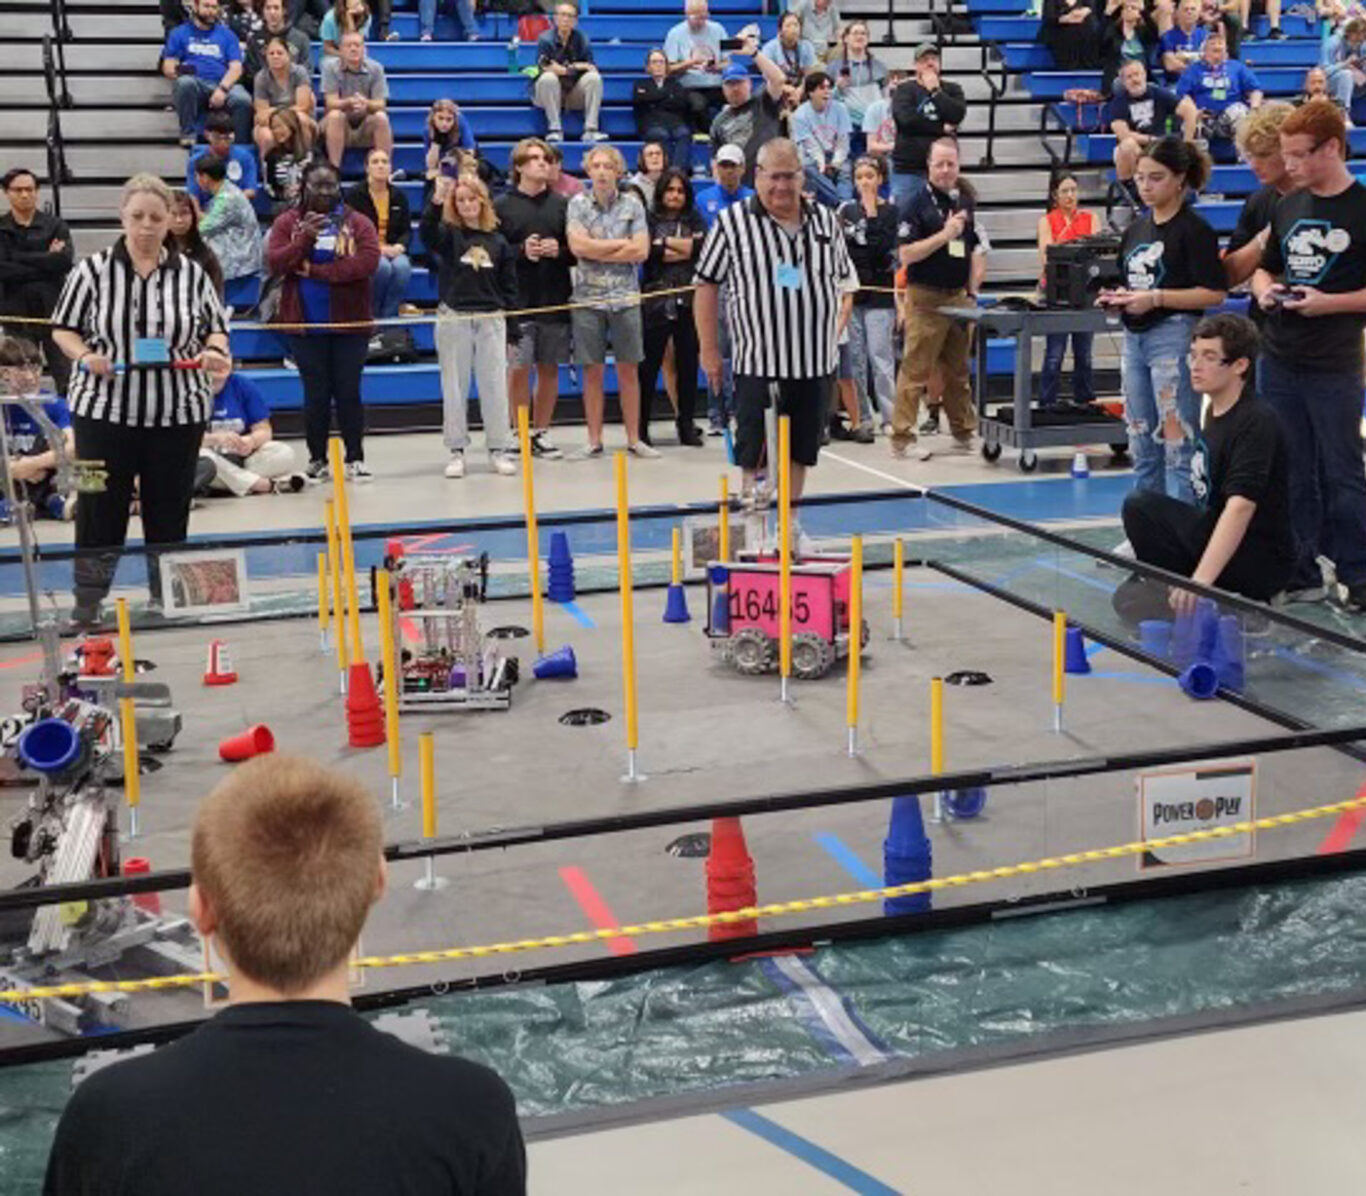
{"points": [[1237, 535], [32, 462], [240, 454]]}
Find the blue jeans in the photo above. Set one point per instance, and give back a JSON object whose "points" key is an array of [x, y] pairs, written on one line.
{"points": [[1161, 407], [677, 142], [871, 333], [190, 96], [1082, 389], [464, 17], [905, 187], [1321, 417], [390, 285], [831, 192], [720, 407]]}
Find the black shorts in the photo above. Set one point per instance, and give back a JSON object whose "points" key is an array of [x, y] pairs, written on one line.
{"points": [[805, 400]]}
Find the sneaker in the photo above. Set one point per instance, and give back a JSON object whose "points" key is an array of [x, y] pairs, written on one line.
{"points": [[554, 136], [455, 467], [886, 429], [929, 426], [1300, 594], [290, 364], [691, 436], [502, 464], [587, 453], [188, 141], [715, 429], [702, 138], [591, 135], [912, 449], [317, 471], [409, 310], [358, 471], [961, 446], [391, 36], [863, 434], [291, 483], [646, 452], [839, 430], [1276, 33], [1352, 598], [543, 446]]}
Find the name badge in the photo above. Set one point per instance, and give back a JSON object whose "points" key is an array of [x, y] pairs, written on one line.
{"points": [[789, 277], [1221, 93], [151, 350], [327, 242], [958, 248]]}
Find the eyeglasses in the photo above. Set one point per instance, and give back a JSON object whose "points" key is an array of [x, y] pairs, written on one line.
{"points": [[1194, 358]]}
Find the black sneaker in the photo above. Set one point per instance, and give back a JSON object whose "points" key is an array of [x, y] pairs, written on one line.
{"points": [[85, 618], [291, 483], [839, 430], [1276, 33], [543, 446], [929, 426], [863, 434], [317, 472]]}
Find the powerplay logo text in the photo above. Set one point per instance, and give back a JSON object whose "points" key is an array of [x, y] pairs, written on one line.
{"points": [[1311, 247]]}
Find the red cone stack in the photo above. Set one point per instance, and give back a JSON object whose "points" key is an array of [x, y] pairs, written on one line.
{"points": [[218, 669], [730, 880], [139, 866], [364, 717]]}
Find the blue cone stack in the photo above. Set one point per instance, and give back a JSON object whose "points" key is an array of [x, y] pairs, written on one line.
{"points": [[561, 587], [906, 856], [1228, 654], [676, 606], [720, 600], [1074, 656]]}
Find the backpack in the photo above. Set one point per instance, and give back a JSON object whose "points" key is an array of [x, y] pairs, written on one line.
{"points": [[391, 345]]}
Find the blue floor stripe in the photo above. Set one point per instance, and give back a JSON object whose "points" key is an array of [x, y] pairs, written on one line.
{"points": [[848, 859], [831, 1165], [583, 618]]}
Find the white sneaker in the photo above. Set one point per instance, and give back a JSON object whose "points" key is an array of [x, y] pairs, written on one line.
{"points": [[646, 452], [455, 467], [503, 464], [589, 452], [959, 448], [543, 446], [913, 450], [358, 471], [291, 483]]}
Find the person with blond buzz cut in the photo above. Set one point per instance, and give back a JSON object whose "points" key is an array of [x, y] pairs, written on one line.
{"points": [[288, 1090]]}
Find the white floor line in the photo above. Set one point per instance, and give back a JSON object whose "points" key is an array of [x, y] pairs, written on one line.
{"points": [[877, 473], [828, 1006]]}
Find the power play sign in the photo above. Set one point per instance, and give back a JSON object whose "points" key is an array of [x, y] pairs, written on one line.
{"points": [[1180, 801]]}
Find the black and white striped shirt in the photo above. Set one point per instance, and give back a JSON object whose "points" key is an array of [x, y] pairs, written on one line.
{"points": [[784, 292], [112, 308]]}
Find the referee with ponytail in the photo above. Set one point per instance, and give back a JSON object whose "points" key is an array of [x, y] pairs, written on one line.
{"points": [[148, 335]]}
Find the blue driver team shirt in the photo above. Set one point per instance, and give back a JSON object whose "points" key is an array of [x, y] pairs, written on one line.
{"points": [[209, 51], [26, 435], [1214, 88], [238, 407], [316, 296]]}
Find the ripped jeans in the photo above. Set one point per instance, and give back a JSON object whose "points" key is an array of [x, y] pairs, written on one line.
{"points": [[1160, 406]]}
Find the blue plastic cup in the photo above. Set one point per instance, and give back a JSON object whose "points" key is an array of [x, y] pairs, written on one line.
{"points": [[1155, 637]]}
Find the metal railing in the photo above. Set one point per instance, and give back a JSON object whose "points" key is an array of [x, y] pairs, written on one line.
{"points": [[58, 172], [1068, 134], [61, 34], [997, 78]]}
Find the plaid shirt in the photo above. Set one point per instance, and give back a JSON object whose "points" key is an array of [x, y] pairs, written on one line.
{"points": [[607, 284]]}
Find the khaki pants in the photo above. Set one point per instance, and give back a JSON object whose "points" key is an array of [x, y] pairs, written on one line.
{"points": [[934, 340]]}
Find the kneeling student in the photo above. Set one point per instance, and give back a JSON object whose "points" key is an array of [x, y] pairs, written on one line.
{"points": [[32, 461], [240, 454], [1237, 535]]}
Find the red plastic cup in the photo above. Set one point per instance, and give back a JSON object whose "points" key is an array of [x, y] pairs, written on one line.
{"points": [[254, 741]]}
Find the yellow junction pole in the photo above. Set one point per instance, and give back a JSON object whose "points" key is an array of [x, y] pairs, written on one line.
{"points": [[389, 659], [128, 721], [338, 593], [533, 543], [628, 628], [334, 450]]}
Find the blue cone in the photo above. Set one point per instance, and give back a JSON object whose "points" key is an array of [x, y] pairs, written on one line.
{"points": [[907, 856], [559, 665], [965, 804], [561, 587], [1155, 637], [676, 606], [1074, 655], [50, 746], [559, 549], [1199, 680], [1228, 659], [720, 601]]}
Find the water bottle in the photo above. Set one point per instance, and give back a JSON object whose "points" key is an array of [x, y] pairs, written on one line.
{"points": [[512, 54]]}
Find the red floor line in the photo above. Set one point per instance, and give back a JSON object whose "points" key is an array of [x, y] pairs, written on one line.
{"points": [[1344, 829], [21, 660], [595, 908]]}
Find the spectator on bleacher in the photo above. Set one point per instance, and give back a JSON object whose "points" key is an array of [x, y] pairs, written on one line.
{"points": [[676, 232], [174, 12], [345, 16], [1315, 87], [284, 165], [386, 207], [203, 60], [728, 169], [355, 94], [821, 130], [185, 235], [1071, 32], [137, 301], [239, 162], [650, 166], [1345, 61], [1141, 113], [879, 126], [1065, 220], [945, 259], [1223, 89], [662, 110], [281, 1091], [1312, 284], [450, 141], [794, 55], [478, 276], [745, 119], [1246, 9], [561, 181], [860, 77], [532, 218], [35, 258], [821, 23], [307, 16], [1221, 16], [229, 225], [1180, 45], [693, 48], [1259, 145], [610, 237], [870, 232], [1237, 532], [1169, 273], [327, 254], [32, 463], [275, 24], [925, 109], [464, 17], [568, 78], [282, 86], [1130, 37], [239, 454], [244, 19]]}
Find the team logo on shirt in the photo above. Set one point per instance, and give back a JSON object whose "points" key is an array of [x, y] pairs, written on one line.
{"points": [[1141, 113], [1145, 268], [1200, 473], [477, 258], [1311, 247]]}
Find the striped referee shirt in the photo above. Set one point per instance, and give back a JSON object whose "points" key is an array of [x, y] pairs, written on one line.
{"points": [[784, 292], [111, 308]]}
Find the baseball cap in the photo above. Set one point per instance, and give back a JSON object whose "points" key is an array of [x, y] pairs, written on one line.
{"points": [[926, 50], [734, 71], [731, 154]]}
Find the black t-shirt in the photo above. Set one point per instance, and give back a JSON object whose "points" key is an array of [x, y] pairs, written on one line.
{"points": [[1242, 453], [295, 1099], [1318, 241], [546, 281], [1183, 252], [1149, 113], [1254, 217], [946, 268], [921, 117], [756, 121], [872, 245]]}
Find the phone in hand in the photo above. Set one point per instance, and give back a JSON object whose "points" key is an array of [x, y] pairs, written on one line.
{"points": [[732, 43]]}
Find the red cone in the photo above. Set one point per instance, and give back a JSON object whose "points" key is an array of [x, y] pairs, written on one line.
{"points": [[218, 670], [139, 866], [254, 741], [730, 880], [364, 717]]}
